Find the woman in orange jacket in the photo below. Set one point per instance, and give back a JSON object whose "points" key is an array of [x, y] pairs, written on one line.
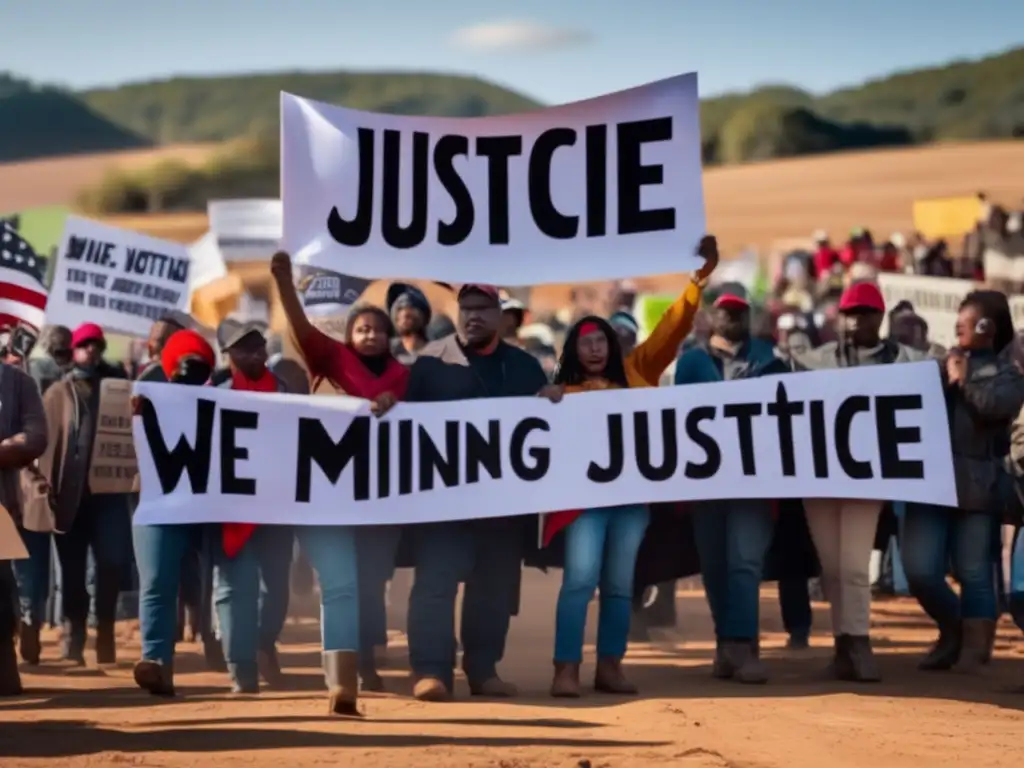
{"points": [[601, 545]]}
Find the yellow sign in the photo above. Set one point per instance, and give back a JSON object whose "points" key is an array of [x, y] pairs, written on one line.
{"points": [[946, 216]]}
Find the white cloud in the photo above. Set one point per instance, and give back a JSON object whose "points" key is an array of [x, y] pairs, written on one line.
{"points": [[515, 37]]}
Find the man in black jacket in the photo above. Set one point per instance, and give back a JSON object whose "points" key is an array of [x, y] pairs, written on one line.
{"points": [[485, 554]]}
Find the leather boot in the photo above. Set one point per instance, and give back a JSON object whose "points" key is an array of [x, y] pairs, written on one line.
{"points": [[609, 677], [946, 650], [566, 682], [429, 688], [73, 642], [154, 677], [743, 658], [29, 643], [859, 665], [245, 677], [10, 679], [213, 654], [977, 634], [106, 643], [341, 670], [721, 667]]}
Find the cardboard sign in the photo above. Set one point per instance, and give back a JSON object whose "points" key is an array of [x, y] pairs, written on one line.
{"points": [[11, 545], [114, 466]]}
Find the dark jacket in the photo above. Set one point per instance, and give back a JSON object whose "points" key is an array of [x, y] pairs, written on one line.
{"points": [[699, 365], [71, 409], [22, 426], [45, 371]]}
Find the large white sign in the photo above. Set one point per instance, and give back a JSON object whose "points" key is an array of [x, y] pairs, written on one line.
{"points": [[246, 230], [936, 299], [214, 455], [599, 189], [122, 280]]}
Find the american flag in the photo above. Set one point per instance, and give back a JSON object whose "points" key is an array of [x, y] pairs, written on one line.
{"points": [[22, 293]]}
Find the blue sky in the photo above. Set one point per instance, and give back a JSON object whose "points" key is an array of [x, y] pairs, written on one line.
{"points": [[553, 50]]}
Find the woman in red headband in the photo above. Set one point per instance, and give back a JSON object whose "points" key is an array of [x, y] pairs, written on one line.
{"points": [[601, 545]]}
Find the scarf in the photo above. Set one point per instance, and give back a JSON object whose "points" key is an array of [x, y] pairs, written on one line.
{"points": [[235, 535]]}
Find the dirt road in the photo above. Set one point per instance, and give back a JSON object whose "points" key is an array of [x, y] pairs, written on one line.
{"points": [[683, 719]]}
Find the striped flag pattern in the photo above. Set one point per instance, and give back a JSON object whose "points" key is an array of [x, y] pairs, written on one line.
{"points": [[22, 292]]}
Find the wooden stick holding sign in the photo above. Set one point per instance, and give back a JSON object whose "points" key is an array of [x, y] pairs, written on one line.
{"points": [[113, 467], [11, 545]]}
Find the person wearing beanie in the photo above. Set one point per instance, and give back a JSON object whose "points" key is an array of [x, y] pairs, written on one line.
{"points": [[410, 312], [843, 530], [100, 523], [162, 550]]}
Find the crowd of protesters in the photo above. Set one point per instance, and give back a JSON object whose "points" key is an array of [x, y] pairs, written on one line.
{"points": [[230, 584]]}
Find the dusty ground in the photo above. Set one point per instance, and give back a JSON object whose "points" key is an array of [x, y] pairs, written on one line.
{"points": [[684, 719]]}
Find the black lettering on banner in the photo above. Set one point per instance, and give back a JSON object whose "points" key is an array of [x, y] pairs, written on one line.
{"points": [[498, 150], [317, 447], [616, 453], [541, 456], [97, 301], [356, 232], [75, 297], [445, 464], [98, 281], [78, 276], [713, 454], [597, 180], [633, 175], [405, 450], [549, 219], [744, 414], [819, 438], [230, 452], [848, 409], [447, 149], [891, 437], [153, 264], [784, 409], [91, 251], [483, 452], [391, 229], [383, 459], [669, 442], [183, 457]]}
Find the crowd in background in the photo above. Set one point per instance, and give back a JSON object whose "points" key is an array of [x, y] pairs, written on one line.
{"points": [[230, 584]]}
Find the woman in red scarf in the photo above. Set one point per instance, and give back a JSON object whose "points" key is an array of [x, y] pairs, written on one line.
{"points": [[251, 565], [361, 366], [160, 549]]}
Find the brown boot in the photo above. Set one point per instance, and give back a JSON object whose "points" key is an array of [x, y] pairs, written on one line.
{"points": [[721, 667], [742, 657], [10, 678], [154, 677], [609, 677], [28, 643], [945, 652], [106, 643], [977, 635], [493, 688], [431, 689], [370, 679], [566, 683], [341, 670], [858, 663]]}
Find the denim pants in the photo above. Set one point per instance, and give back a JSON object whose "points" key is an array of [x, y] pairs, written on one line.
{"points": [[33, 577], [331, 551], [102, 527], [250, 592], [795, 604], [936, 538], [733, 538], [376, 548], [160, 551], [601, 546], [487, 555]]}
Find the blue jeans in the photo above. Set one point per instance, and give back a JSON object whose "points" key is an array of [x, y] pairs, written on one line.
{"points": [[250, 592], [601, 547], [487, 555], [160, 551], [102, 526], [376, 548], [33, 577], [732, 539], [331, 551], [936, 537]]}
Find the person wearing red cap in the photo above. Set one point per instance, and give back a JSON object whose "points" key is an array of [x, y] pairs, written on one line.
{"points": [[361, 366], [843, 530], [487, 554], [732, 535], [161, 550], [97, 522]]}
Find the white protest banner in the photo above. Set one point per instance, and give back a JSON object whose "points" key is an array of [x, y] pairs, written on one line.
{"points": [[214, 455], [12, 547], [122, 280], [113, 467], [936, 299], [563, 194], [207, 262], [246, 230]]}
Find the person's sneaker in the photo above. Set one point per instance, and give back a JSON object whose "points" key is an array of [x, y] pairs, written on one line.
{"points": [[494, 688], [431, 689]]}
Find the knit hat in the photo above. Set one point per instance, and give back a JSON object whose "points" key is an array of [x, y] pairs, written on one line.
{"points": [[183, 344], [86, 333], [404, 295]]}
